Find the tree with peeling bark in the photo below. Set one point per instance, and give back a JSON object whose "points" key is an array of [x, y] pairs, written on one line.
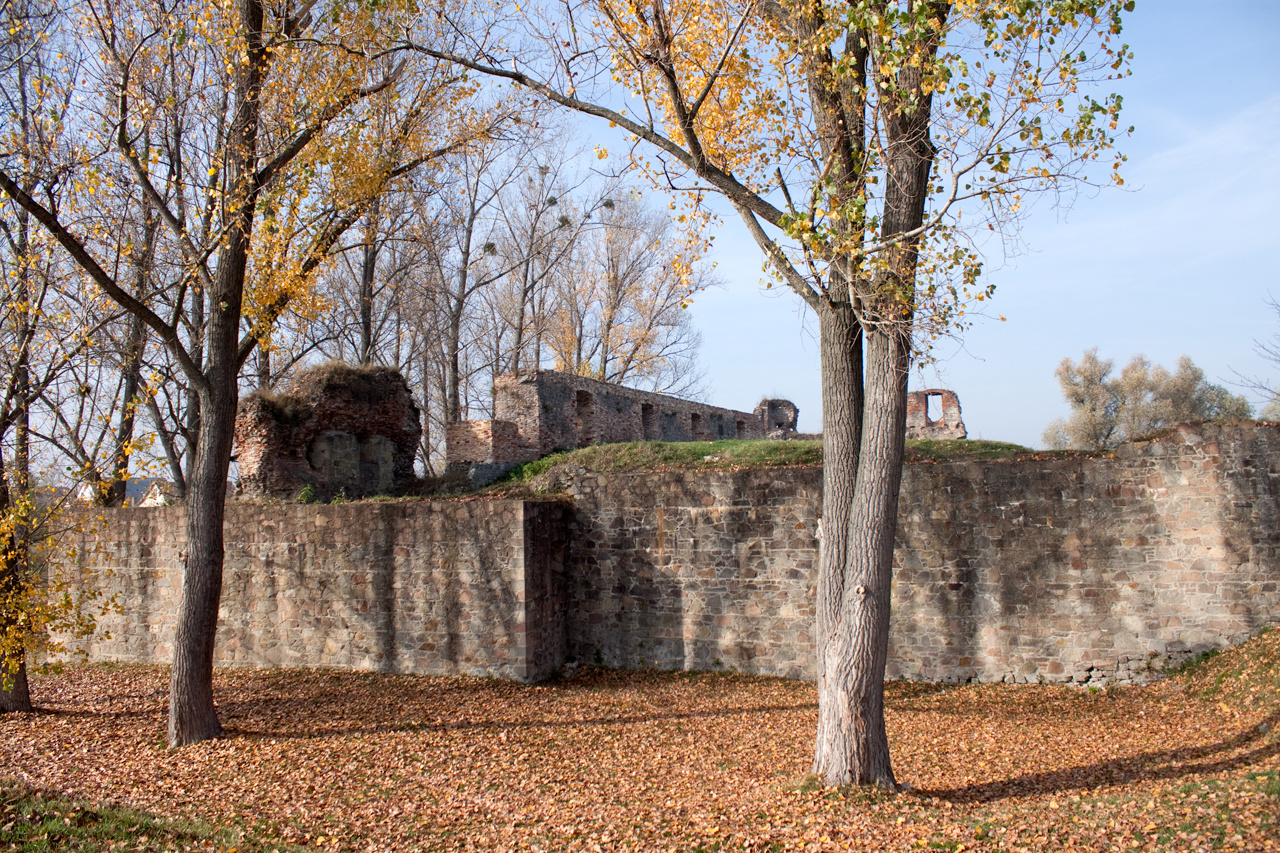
{"points": [[862, 144], [256, 111]]}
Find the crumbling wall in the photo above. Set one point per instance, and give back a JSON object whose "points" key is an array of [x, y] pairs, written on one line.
{"points": [[336, 428], [948, 424], [537, 412], [777, 417]]}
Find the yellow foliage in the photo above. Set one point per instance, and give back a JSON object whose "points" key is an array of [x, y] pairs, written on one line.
{"points": [[41, 612]]}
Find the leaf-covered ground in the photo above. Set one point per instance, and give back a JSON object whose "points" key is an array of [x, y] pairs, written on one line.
{"points": [[666, 761]]}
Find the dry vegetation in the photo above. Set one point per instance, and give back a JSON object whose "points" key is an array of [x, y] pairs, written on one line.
{"points": [[649, 761]]}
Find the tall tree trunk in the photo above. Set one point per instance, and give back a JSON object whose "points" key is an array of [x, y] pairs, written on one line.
{"points": [[191, 427], [192, 716], [852, 745], [15, 694], [117, 488], [837, 756]]}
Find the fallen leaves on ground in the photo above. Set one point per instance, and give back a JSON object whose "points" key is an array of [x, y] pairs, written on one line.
{"points": [[670, 761]]}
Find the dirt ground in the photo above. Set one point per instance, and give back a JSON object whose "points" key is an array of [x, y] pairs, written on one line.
{"points": [[672, 761]]}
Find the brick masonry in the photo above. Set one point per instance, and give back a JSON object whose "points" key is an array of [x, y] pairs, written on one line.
{"points": [[536, 412], [337, 428], [947, 425], [1086, 570]]}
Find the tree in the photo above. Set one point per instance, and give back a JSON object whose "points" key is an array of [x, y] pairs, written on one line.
{"points": [[1270, 352], [44, 325], [619, 308], [849, 138], [1143, 399], [256, 110]]}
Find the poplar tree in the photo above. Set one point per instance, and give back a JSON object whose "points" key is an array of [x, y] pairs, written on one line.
{"points": [[863, 144]]}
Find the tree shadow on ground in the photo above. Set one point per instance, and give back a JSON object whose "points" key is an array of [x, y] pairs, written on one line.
{"points": [[1231, 753], [238, 721]]}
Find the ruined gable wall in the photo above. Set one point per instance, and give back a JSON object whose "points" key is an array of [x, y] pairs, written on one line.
{"points": [[949, 424]]}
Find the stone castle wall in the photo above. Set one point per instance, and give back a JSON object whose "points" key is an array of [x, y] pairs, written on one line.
{"points": [[1087, 570], [460, 587], [536, 412]]}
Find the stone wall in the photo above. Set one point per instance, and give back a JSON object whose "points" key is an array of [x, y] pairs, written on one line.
{"points": [[1084, 569], [948, 424], [337, 428], [538, 411], [1087, 570], [462, 587]]}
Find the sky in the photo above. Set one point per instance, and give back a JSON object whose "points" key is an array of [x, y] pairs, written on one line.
{"points": [[1179, 261]]}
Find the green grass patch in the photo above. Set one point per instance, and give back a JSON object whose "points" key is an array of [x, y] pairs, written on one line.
{"points": [[644, 456], [37, 823], [955, 450], [1194, 664], [674, 456]]}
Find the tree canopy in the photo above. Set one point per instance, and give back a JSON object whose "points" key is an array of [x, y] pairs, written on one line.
{"points": [[1108, 410]]}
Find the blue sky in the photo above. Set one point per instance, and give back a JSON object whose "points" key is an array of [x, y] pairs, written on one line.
{"points": [[1181, 261]]}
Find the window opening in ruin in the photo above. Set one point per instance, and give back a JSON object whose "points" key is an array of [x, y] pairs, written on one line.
{"points": [[933, 407], [586, 410], [648, 424], [695, 426], [739, 429]]}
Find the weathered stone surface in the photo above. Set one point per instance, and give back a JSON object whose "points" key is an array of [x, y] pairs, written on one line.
{"points": [[948, 423], [1084, 570], [778, 418], [537, 412], [445, 588], [336, 428]]}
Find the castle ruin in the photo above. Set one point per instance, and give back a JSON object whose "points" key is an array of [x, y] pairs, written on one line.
{"points": [[336, 428], [948, 423], [540, 411]]}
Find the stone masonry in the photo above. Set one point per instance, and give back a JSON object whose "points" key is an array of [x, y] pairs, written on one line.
{"points": [[447, 588], [537, 412], [779, 417], [1092, 570], [948, 424], [337, 428]]}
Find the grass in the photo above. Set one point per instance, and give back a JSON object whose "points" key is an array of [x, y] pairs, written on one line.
{"points": [[674, 455], [966, 449], [1244, 678], [33, 822], [646, 456]]}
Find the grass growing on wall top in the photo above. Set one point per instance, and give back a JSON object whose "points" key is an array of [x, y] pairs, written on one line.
{"points": [[958, 449], [674, 455], [641, 456]]}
